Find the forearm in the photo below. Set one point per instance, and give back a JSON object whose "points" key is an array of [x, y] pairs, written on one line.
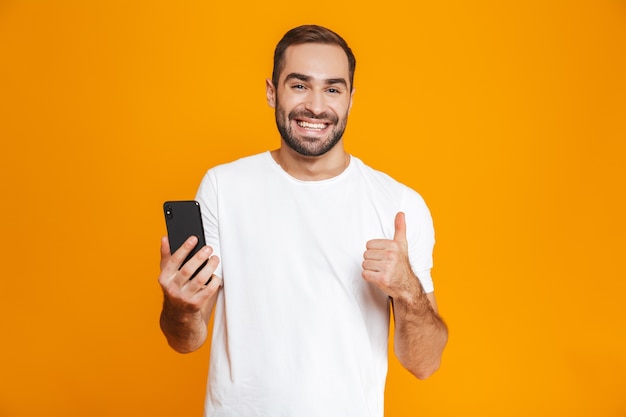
{"points": [[420, 334], [186, 331]]}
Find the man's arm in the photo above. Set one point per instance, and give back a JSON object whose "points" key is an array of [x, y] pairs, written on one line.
{"points": [[187, 302], [420, 334]]}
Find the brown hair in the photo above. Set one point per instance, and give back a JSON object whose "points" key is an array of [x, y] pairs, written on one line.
{"points": [[310, 34]]}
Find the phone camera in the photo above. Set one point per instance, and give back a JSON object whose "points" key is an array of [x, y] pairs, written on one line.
{"points": [[168, 212]]}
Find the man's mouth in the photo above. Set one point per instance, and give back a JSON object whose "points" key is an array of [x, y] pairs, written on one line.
{"points": [[311, 126]]}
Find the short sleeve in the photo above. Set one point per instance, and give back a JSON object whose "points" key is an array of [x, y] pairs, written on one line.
{"points": [[420, 237], [207, 196]]}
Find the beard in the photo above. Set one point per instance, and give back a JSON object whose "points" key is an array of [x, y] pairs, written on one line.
{"points": [[309, 145]]}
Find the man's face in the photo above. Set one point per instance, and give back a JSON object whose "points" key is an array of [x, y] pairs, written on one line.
{"points": [[312, 99]]}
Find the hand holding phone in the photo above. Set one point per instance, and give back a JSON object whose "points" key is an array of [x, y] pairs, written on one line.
{"points": [[184, 219]]}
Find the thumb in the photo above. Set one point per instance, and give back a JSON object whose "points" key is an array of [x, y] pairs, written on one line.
{"points": [[400, 228], [165, 251]]}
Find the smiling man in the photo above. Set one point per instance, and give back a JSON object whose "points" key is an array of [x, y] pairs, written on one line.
{"points": [[308, 248], [312, 112]]}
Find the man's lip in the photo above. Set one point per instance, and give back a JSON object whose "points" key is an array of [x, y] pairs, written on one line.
{"points": [[312, 124], [310, 120], [325, 120]]}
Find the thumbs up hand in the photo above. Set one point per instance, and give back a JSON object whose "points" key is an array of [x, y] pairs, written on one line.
{"points": [[386, 262]]}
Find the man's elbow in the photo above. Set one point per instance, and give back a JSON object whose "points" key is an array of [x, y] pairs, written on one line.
{"points": [[422, 365], [180, 348], [425, 372], [182, 343]]}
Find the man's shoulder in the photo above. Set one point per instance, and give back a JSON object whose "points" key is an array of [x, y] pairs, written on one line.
{"points": [[242, 166], [388, 186], [376, 175]]}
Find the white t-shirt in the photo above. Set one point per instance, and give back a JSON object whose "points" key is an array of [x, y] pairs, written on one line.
{"points": [[297, 331]]}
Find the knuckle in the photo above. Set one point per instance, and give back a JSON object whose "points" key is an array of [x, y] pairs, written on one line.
{"points": [[188, 269]]}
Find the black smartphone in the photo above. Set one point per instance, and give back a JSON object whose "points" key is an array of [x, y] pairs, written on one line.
{"points": [[183, 219]]}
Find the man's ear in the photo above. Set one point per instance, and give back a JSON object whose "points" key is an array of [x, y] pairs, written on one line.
{"points": [[270, 93], [351, 98]]}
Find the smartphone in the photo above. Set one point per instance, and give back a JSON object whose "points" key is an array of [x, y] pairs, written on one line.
{"points": [[183, 219]]}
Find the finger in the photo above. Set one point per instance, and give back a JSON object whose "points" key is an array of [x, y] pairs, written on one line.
{"points": [[374, 255], [190, 267], [165, 252], [368, 275], [374, 266], [400, 228], [203, 277], [178, 257], [213, 285], [171, 263], [205, 292], [378, 244], [374, 277]]}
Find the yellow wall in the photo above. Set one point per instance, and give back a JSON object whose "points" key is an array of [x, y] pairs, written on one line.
{"points": [[508, 117]]}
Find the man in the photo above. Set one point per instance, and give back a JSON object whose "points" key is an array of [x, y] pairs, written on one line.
{"points": [[307, 247]]}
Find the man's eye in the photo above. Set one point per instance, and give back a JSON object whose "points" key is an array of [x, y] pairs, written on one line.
{"points": [[298, 87], [333, 90]]}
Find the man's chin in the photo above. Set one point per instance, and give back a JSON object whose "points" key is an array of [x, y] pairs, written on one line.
{"points": [[308, 151], [310, 146]]}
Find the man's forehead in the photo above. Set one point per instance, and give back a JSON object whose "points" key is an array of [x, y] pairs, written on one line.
{"points": [[316, 60]]}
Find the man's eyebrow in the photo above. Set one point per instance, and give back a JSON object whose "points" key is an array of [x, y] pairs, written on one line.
{"points": [[306, 78], [297, 76], [341, 81]]}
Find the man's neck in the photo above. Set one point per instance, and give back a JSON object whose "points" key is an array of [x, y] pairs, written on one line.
{"points": [[312, 168]]}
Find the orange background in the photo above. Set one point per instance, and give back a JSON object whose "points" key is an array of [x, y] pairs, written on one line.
{"points": [[508, 117]]}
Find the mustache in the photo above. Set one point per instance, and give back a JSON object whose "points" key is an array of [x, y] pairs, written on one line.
{"points": [[299, 114]]}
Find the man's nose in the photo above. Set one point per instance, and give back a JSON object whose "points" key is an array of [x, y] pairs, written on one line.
{"points": [[315, 102]]}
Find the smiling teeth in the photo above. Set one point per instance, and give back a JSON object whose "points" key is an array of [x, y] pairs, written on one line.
{"points": [[312, 125]]}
